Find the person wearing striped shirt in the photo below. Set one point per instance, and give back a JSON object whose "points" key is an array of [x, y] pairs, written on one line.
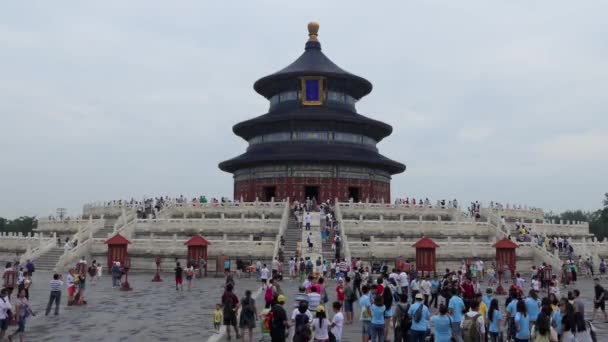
{"points": [[55, 285]]}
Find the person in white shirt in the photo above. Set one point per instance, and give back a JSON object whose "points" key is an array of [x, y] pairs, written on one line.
{"points": [[307, 220], [415, 286], [394, 276], [535, 284], [519, 281], [480, 268], [320, 325], [337, 322], [264, 275], [403, 282], [292, 268], [425, 287], [5, 305], [314, 299]]}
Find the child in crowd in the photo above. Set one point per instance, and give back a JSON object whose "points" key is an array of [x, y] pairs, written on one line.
{"points": [[338, 321], [218, 317]]}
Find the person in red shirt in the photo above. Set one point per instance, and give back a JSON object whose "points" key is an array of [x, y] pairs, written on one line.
{"points": [[380, 289], [340, 291], [468, 292]]}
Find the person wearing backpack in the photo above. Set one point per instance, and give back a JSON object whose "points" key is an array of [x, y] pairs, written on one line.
{"points": [[420, 319], [301, 318], [402, 321], [442, 324], [473, 325], [249, 315], [279, 323], [350, 297], [387, 296]]}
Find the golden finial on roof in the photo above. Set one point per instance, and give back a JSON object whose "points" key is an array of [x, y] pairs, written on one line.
{"points": [[313, 31]]}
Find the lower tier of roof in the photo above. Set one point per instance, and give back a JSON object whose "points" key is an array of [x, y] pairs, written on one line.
{"points": [[311, 153]]}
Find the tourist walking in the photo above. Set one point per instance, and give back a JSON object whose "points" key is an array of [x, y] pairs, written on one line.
{"points": [[420, 319], [116, 274], [5, 307], [366, 314], [402, 321], [189, 275], [473, 325], [456, 308], [494, 320], [522, 323], [349, 298], [229, 304], [337, 322], [320, 325], [249, 315], [178, 277], [377, 321], [56, 284], [442, 324], [22, 311], [302, 319], [599, 300], [279, 323], [218, 318]]}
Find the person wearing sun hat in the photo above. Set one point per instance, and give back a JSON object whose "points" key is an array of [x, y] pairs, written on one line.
{"points": [[420, 319], [321, 325], [280, 322]]}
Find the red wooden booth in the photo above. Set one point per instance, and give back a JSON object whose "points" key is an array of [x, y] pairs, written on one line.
{"points": [[425, 255], [505, 259], [117, 249], [197, 250]]}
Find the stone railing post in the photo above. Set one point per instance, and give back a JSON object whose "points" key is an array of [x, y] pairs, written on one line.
{"points": [[40, 237], [222, 217], [225, 237]]}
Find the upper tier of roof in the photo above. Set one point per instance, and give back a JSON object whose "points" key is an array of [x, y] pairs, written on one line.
{"points": [[313, 63]]}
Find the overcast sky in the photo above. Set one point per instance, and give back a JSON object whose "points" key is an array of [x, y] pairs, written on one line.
{"points": [[489, 100]]}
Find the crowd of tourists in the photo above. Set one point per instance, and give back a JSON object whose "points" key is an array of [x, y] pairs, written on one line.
{"points": [[500, 206], [426, 203]]}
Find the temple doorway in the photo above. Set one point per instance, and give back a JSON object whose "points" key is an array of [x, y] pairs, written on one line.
{"points": [[269, 193], [353, 193], [311, 192]]}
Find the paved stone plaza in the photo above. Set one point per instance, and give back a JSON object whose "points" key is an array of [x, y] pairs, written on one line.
{"points": [[156, 312]]}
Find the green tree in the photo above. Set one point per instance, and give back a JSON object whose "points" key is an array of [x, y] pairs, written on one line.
{"points": [[23, 225]]}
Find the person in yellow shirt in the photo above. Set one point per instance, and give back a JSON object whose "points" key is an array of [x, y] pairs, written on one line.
{"points": [[483, 309], [218, 317]]}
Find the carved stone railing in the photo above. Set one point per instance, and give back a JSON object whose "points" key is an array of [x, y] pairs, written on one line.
{"points": [[533, 214], [84, 236], [343, 231], [282, 228], [46, 225], [34, 245]]}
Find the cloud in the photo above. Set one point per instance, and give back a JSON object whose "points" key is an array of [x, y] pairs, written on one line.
{"points": [[475, 133], [590, 146]]}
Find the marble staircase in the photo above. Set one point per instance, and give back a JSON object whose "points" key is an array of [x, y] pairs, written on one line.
{"points": [[48, 260], [293, 235]]}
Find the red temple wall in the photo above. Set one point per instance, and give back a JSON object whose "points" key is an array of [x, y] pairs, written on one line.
{"points": [[294, 188]]}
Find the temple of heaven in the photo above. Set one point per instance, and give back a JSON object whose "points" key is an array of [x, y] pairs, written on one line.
{"points": [[312, 142]]}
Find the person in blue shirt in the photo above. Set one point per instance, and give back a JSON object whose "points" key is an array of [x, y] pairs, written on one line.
{"points": [[522, 323], [511, 311], [494, 319], [487, 298], [435, 288], [365, 305], [420, 326], [441, 323], [377, 323], [532, 306], [456, 308]]}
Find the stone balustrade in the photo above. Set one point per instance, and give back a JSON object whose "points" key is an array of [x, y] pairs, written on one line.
{"points": [[15, 242], [533, 214], [397, 212], [224, 225], [65, 226], [417, 228]]}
